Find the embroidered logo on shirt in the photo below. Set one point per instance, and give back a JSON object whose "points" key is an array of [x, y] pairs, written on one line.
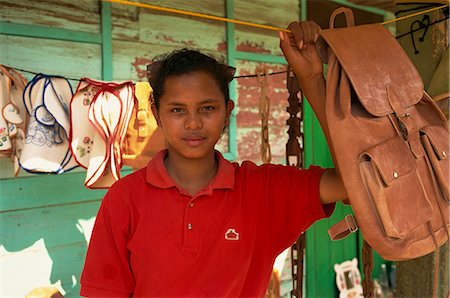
{"points": [[231, 234]]}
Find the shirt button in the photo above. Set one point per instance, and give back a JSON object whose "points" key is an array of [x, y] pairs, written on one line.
{"points": [[189, 226], [191, 205]]}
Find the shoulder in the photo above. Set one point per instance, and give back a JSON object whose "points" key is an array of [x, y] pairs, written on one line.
{"points": [[130, 181], [124, 188]]}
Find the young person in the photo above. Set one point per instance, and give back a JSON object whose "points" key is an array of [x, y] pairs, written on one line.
{"points": [[191, 223]]}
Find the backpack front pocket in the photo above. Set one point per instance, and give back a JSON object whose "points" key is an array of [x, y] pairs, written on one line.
{"points": [[390, 176], [435, 140]]}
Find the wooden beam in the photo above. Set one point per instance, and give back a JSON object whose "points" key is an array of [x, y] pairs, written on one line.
{"points": [[371, 9], [49, 33], [231, 60], [42, 191], [107, 60]]}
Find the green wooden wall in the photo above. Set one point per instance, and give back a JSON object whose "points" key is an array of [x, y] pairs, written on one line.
{"points": [[46, 220]]}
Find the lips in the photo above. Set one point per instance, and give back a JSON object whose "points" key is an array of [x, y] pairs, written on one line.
{"points": [[194, 141]]}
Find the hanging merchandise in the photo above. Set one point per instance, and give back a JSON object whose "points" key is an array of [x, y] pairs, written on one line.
{"points": [[348, 279], [264, 108], [46, 147], [100, 113], [389, 141], [143, 138], [13, 115]]}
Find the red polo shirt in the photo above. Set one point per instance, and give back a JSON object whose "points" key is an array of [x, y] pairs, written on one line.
{"points": [[152, 239]]}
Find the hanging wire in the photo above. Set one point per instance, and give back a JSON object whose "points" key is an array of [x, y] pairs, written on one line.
{"points": [[257, 75], [73, 79], [36, 73]]}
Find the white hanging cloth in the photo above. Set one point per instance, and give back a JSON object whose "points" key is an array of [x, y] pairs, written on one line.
{"points": [[13, 117], [46, 149], [100, 113]]}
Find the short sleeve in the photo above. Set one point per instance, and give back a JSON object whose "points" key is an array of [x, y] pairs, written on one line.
{"points": [[293, 203], [107, 271]]}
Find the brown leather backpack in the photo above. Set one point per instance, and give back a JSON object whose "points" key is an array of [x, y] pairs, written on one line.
{"points": [[389, 141]]}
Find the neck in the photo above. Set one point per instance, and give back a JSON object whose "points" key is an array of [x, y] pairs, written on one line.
{"points": [[191, 174]]}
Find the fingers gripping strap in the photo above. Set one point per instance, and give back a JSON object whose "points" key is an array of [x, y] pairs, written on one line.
{"points": [[348, 16]]}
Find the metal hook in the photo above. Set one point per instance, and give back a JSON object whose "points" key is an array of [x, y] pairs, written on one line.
{"points": [[423, 24]]}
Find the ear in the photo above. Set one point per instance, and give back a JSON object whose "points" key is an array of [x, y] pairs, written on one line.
{"points": [[230, 107], [156, 115]]}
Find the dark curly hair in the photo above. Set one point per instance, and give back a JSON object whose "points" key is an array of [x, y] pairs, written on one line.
{"points": [[186, 61]]}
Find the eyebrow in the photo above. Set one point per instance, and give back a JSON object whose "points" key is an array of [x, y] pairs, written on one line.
{"points": [[206, 101]]}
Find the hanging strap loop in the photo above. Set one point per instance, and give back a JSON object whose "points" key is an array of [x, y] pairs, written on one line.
{"points": [[350, 19]]}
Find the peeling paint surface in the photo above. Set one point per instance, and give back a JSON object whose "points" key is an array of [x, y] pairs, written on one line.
{"points": [[248, 118]]}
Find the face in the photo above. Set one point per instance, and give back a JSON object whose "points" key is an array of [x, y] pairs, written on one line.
{"points": [[192, 114]]}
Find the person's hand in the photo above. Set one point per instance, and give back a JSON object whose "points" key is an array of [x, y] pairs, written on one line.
{"points": [[299, 48]]}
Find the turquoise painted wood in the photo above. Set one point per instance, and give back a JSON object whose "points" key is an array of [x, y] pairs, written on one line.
{"points": [[49, 33], [64, 239], [231, 60], [107, 59], [373, 10], [46, 191]]}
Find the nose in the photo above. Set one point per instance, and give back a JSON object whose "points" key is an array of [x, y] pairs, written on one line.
{"points": [[193, 121]]}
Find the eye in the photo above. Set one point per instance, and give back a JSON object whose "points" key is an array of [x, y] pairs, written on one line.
{"points": [[177, 110], [207, 109]]}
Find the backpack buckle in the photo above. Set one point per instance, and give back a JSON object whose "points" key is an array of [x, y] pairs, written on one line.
{"points": [[351, 223]]}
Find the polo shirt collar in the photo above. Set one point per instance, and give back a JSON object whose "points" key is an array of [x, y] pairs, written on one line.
{"points": [[158, 176]]}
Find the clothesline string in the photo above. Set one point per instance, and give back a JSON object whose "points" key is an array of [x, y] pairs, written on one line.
{"points": [[73, 79], [245, 23], [36, 73]]}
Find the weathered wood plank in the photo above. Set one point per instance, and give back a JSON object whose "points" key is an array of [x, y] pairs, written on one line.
{"points": [[80, 15], [273, 13], [69, 59], [181, 31], [131, 58], [129, 20], [201, 6], [45, 190]]}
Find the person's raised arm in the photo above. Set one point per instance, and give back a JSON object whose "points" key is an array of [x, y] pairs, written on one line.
{"points": [[299, 49], [331, 187]]}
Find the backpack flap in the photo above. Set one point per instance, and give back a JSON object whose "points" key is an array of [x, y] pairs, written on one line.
{"points": [[372, 60]]}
